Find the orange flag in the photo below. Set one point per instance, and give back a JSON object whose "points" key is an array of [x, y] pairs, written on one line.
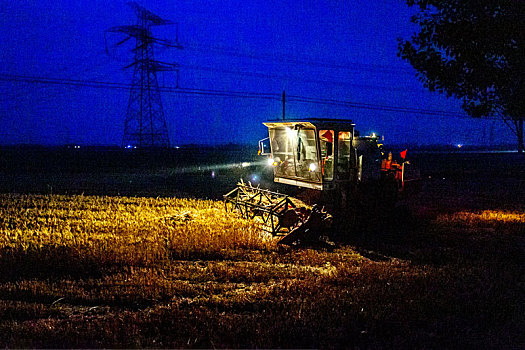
{"points": [[404, 153]]}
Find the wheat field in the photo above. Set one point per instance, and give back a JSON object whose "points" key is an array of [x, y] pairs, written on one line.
{"points": [[95, 271]]}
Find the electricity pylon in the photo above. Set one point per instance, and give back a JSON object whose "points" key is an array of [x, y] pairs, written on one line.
{"points": [[145, 124]]}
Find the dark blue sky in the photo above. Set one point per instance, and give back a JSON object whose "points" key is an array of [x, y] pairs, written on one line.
{"points": [[338, 50]]}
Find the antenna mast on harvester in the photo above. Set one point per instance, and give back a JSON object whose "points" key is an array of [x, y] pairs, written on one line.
{"points": [[145, 125]]}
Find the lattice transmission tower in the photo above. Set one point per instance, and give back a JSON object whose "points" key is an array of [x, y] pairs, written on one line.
{"points": [[145, 124]]}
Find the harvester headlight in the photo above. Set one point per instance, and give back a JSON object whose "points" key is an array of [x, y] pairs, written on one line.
{"points": [[312, 167], [270, 161]]}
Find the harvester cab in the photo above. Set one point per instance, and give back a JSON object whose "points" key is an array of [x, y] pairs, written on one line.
{"points": [[322, 154]]}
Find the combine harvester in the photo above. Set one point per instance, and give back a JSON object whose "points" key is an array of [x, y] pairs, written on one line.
{"points": [[343, 178]]}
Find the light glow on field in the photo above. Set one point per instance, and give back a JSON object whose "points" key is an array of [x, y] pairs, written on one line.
{"points": [[123, 229], [499, 215], [215, 167], [486, 216]]}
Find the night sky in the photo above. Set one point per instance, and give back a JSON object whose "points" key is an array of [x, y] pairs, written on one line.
{"points": [[336, 50]]}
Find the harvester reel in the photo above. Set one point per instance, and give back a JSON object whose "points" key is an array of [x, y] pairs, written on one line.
{"points": [[275, 212]]}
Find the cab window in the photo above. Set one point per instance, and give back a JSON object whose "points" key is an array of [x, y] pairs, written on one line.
{"points": [[344, 142], [306, 163], [283, 143], [294, 152], [326, 146]]}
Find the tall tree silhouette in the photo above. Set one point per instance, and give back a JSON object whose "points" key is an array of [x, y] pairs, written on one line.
{"points": [[474, 51]]}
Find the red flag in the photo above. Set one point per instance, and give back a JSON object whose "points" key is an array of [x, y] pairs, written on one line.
{"points": [[404, 153]]}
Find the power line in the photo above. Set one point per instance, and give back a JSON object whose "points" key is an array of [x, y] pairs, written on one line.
{"points": [[278, 76], [281, 58], [123, 86], [374, 106], [232, 94]]}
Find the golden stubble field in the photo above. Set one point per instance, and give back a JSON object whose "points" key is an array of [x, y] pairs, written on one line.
{"points": [[94, 271]]}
